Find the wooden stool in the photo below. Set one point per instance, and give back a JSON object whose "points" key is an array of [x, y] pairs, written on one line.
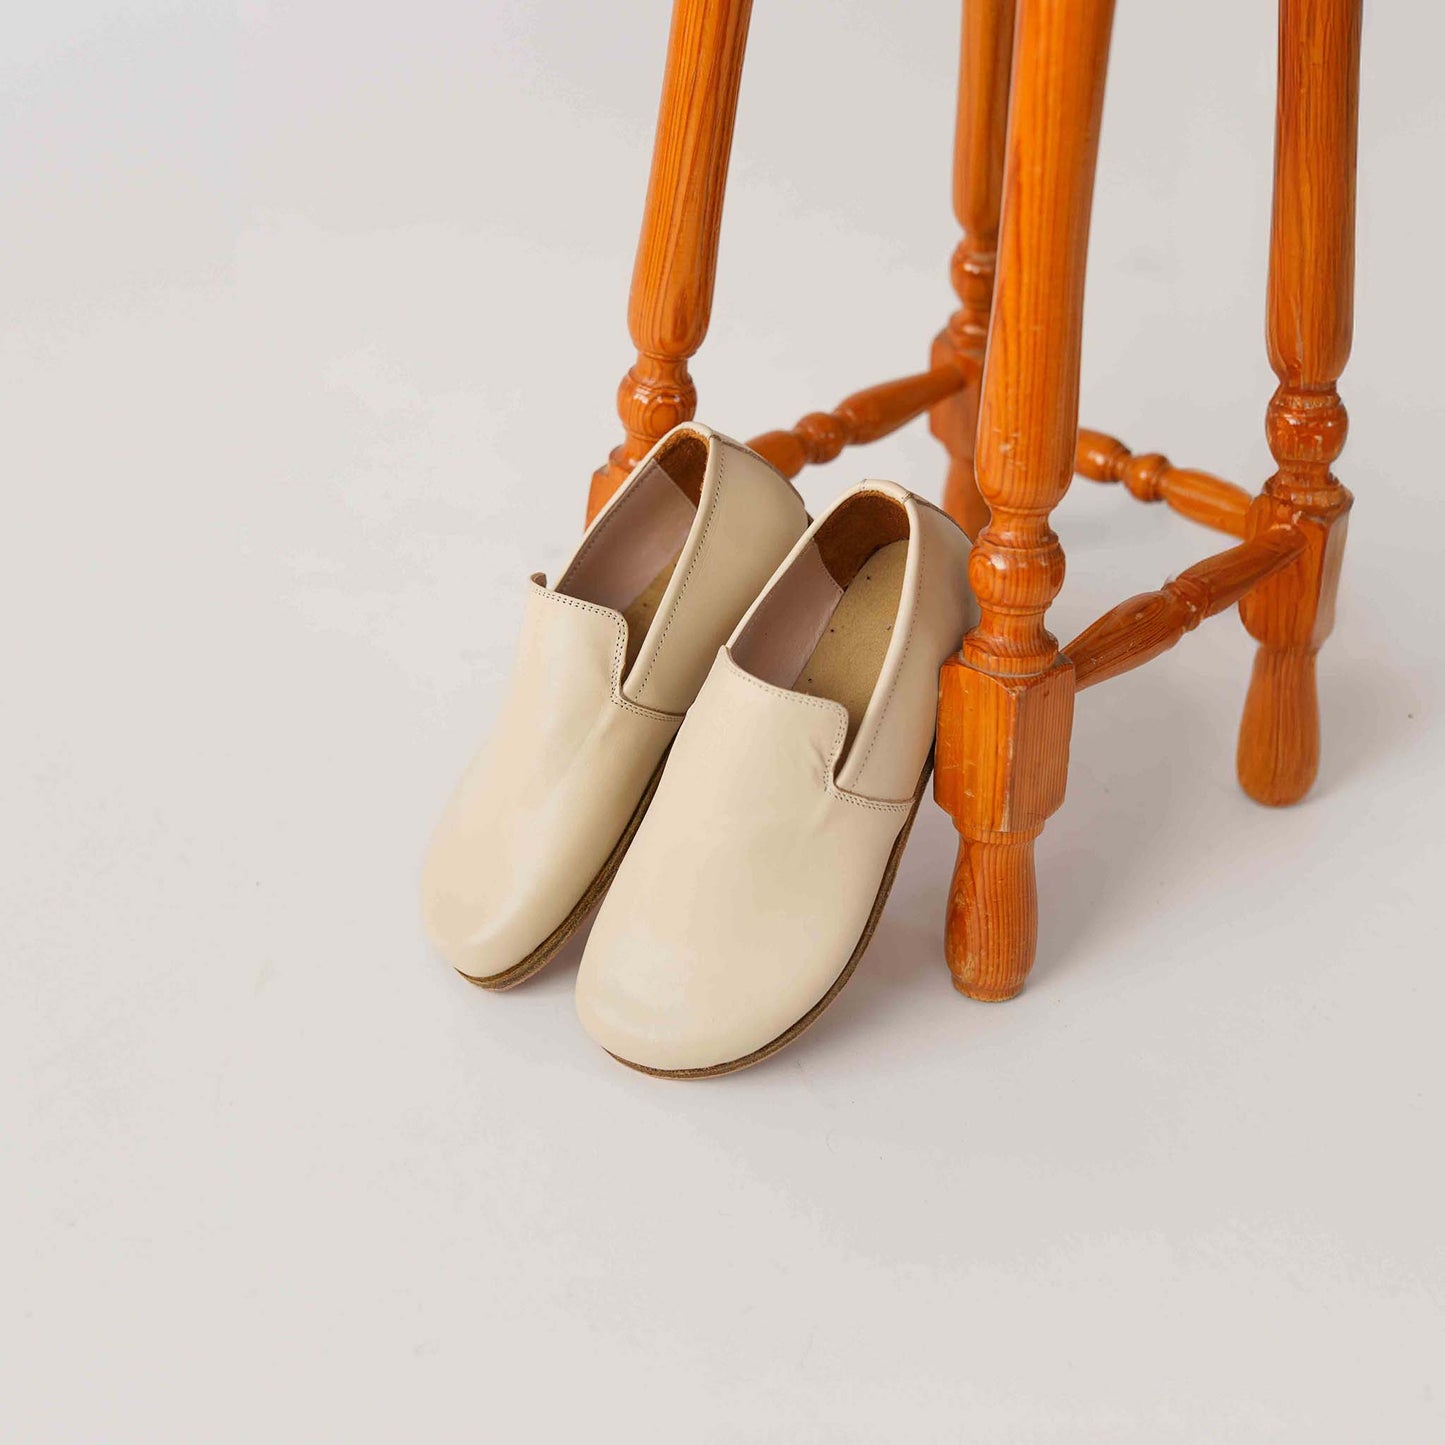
{"points": [[1023, 196]]}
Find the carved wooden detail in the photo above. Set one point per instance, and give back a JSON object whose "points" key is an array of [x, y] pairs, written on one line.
{"points": [[1006, 703], [1309, 323], [1141, 628], [1031, 76], [1154, 478], [978, 146], [863, 417], [672, 282]]}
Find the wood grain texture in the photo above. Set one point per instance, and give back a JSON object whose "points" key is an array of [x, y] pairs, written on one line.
{"points": [[985, 53], [1006, 703], [1309, 323], [1151, 477], [1141, 628], [863, 417], [1001, 763], [672, 281], [1002, 395]]}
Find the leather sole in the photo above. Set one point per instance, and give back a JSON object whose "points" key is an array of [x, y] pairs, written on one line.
{"points": [[543, 954], [788, 1035]]}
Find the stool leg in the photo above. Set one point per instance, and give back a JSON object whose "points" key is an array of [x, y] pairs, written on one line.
{"points": [[1006, 702], [983, 79], [672, 281], [1311, 285]]}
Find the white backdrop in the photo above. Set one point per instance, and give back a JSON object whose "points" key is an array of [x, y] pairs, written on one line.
{"points": [[312, 319]]}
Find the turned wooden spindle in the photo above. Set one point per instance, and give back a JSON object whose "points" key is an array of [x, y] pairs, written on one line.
{"points": [[1001, 394], [863, 417], [1310, 299], [983, 81], [1129, 635], [672, 282], [1006, 703], [1151, 477]]}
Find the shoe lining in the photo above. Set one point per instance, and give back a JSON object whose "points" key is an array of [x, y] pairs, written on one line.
{"points": [[643, 608], [630, 555], [848, 658], [824, 627]]}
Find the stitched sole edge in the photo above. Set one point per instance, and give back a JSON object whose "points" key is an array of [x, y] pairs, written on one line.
{"points": [[543, 954], [714, 1071]]}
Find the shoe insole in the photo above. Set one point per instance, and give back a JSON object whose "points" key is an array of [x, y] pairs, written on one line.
{"points": [[642, 609], [849, 656]]}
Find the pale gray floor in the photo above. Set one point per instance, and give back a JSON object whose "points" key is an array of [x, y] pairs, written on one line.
{"points": [[312, 323]]}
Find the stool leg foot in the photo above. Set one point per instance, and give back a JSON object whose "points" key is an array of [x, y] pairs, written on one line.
{"points": [[1279, 738], [1000, 768], [993, 916]]}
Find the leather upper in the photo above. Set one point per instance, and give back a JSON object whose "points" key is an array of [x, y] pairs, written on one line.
{"points": [[543, 802], [752, 879], [580, 732], [748, 517], [935, 609]]}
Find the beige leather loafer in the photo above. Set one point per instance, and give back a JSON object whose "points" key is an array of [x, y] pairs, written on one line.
{"points": [[755, 883], [610, 659]]}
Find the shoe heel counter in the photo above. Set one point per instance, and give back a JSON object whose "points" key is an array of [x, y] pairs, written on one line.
{"points": [[774, 505], [750, 519], [952, 550]]}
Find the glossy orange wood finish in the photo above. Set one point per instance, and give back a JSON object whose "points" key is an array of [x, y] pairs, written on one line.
{"points": [[1310, 317], [1154, 478], [863, 417], [1000, 765], [1002, 396], [1141, 628], [1006, 703], [978, 145], [672, 281]]}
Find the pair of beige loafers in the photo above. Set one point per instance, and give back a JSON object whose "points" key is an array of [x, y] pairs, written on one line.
{"points": [[721, 716]]}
